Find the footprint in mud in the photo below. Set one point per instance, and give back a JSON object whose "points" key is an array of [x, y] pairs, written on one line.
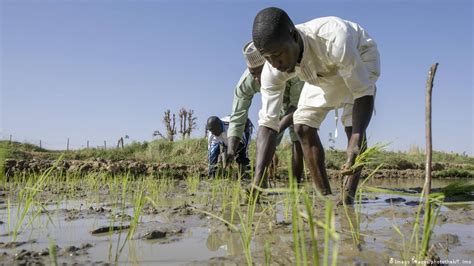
{"points": [[159, 232], [27, 257], [184, 209], [76, 251], [412, 203], [73, 214], [107, 229], [121, 216], [15, 244], [30, 257], [98, 210], [151, 210], [395, 200]]}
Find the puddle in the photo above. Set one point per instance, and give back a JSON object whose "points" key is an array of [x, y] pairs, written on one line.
{"points": [[186, 234]]}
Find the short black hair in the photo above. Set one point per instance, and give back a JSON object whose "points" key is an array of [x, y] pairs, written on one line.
{"points": [[213, 121], [270, 24]]}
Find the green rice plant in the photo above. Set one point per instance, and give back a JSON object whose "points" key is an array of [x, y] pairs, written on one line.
{"points": [[247, 227], [27, 200], [404, 251], [53, 256], [122, 202], [216, 186], [235, 199], [139, 202], [312, 229], [268, 253], [299, 246], [456, 189], [355, 224], [138, 207], [165, 185], [327, 231], [192, 183], [331, 236], [430, 214], [368, 157]]}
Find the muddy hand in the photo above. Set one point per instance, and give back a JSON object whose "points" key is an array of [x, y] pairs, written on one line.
{"points": [[229, 158], [348, 167]]}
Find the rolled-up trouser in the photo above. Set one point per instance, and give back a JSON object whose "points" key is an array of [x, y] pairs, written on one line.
{"points": [[314, 116], [315, 104]]}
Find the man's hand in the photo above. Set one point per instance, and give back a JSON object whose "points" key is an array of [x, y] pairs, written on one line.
{"points": [[233, 144], [353, 150], [361, 114], [287, 119], [266, 145]]}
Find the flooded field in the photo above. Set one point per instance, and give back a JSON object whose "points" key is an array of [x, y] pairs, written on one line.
{"points": [[98, 219]]}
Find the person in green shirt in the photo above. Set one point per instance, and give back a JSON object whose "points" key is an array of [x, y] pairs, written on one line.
{"points": [[247, 87]]}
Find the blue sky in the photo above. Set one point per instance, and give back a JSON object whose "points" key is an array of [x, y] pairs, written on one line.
{"points": [[97, 70]]}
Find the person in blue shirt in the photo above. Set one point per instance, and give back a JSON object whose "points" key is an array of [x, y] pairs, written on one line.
{"points": [[218, 143]]}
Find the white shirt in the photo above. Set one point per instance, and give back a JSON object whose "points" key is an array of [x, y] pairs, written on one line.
{"points": [[339, 59], [222, 138]]}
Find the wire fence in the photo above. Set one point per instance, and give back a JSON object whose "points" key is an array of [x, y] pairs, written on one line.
{"points": [[69, 143]]}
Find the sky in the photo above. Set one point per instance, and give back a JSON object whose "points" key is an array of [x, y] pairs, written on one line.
{"points": [[99, 70]]}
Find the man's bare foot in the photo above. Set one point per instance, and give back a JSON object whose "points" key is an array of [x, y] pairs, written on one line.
{"points": [[347, 200]]}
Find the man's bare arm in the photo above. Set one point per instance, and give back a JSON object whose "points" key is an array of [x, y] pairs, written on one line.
{"points": [[266, 145], [361, 115], [286, 120]]}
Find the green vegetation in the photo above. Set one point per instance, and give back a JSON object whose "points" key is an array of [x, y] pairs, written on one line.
{"points": [[224, 199], [4, 153], [194, 152]]}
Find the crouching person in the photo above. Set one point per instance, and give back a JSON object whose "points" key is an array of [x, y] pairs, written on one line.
{"points": [[218, 144]]}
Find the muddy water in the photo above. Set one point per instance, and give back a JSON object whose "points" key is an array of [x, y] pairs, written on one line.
{"points": [[188, 236]]}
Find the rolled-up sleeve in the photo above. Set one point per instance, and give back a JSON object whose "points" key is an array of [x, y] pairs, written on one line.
{"points": [[243, 96], [346, 56], [272, 89]]}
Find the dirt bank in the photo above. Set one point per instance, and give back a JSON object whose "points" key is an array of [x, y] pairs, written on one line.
{"points": [[179, 171]]}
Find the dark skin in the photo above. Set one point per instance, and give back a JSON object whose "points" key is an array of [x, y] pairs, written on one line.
{"points": [[297, 165], [215, 128], [351, 181], [283, 54], [287, 120]]}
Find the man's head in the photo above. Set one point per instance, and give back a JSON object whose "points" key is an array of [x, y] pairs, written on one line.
{"points": [[277, 39], [215, 125], [254, 60]]}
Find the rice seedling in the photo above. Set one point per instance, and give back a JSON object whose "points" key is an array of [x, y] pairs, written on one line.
{"points": [[235, 199], [312, 229], [247, 227], [52, 248], [267, 253], [299, 246], [27, 200], [192, 183]]}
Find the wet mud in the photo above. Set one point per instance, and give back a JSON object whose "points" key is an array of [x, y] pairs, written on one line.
{"points": [[186, 228]]}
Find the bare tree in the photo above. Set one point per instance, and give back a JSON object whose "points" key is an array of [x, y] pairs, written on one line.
{"points": [[170, 124], [187, 122]]}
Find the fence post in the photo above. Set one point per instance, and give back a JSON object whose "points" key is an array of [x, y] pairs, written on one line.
{"points": [[88, 144], [10, 139], [67, 147], [429, 147], [105, 145], [40, 145]]}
